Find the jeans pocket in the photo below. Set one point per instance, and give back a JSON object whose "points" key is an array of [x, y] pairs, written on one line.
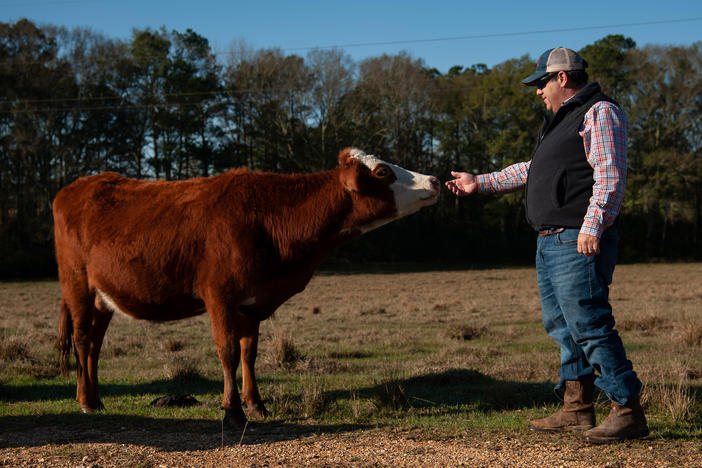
{"points": [[567, 237]]}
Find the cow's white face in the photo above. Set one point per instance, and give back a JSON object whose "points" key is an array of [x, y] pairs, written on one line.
{"points": [[411, 190]]}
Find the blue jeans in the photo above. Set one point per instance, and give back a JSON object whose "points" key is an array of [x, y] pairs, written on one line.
{"points": [[574, 291]]}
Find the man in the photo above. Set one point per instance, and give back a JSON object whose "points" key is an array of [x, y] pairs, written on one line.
{"points": [[575, 183]]}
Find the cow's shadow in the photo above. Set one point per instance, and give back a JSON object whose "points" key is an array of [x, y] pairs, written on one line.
{"points": [[166, 434], [444, 393], [63, 390]]}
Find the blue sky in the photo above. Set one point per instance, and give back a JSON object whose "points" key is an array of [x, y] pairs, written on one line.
{"points": [[491, 31]]}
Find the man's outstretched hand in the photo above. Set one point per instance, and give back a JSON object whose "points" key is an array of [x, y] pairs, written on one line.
{"points": [[463, 184]]}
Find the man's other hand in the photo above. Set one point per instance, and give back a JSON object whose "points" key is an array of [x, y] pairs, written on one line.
{"points": [[588, 245]]}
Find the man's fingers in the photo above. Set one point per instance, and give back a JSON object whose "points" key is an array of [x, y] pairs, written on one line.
{"points": [[588, 245], [463, 184]]}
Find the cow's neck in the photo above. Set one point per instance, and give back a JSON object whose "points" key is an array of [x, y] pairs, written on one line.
{"points": [[313, 219]]}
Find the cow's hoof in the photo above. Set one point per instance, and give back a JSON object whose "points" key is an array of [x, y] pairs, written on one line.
{"points": [[257, 411], [234, 419], [88, 409]]}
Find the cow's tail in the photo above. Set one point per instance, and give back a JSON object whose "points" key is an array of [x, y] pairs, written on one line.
{"points": [[65, 338]]}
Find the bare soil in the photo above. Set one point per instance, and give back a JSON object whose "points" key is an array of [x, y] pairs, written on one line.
{"points": [[273, 444]]}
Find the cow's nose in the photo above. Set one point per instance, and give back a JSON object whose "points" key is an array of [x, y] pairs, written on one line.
{"points": [[435, 184]]}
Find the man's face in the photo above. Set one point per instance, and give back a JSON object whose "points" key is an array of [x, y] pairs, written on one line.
{"points": [[549, 89]]}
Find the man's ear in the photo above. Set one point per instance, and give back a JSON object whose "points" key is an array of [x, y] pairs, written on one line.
{"points": [[350, 170]]}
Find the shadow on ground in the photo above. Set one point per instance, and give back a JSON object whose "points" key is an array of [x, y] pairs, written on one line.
{"points": [[167, 434], [451, 388], [63, 390], [447, 392]]}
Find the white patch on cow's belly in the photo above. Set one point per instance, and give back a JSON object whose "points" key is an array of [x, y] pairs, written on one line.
{"points": [[110, 303], [374, 225], [248, 301]]}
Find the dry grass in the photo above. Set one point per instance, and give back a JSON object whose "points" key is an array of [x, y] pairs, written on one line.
{"points": [[647, 323], [314, 400], [281, 404], [485, 320], [391, 395], [285, 354], [173, 345], [181, 367], [13, 349], [449, 352], [677, 402], [466, 332], [691, 333], [16, 357]]}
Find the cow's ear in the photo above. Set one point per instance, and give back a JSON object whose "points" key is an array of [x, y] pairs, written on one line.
{"points": [[345, 159], [349, 174]]}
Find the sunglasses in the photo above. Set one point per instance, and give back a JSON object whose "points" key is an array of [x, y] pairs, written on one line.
{"points": [[544, 81]]}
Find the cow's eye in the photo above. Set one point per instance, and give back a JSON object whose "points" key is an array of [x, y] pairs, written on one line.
{"points": [[382, 172]]}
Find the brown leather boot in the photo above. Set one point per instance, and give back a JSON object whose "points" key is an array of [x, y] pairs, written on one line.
{"points": [[578, 413], [623, 422]]}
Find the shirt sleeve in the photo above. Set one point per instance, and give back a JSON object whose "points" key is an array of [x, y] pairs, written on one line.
{"points": [[604, 131], [509, 179]]}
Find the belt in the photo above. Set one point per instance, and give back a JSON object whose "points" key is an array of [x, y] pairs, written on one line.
{"points": [[549, 231]]}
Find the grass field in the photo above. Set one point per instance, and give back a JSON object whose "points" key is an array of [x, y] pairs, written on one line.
{"points": [[458, 357]]}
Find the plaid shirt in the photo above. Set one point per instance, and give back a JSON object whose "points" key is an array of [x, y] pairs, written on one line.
{"points": [[604, 131]]}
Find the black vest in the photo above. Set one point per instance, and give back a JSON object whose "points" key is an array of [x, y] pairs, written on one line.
{"points": [[560, 180]]}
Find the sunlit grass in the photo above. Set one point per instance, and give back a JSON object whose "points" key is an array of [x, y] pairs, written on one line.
{"points": [[448, 351]]}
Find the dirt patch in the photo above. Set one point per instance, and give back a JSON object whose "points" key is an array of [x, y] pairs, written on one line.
{"points": [[286, 445]]}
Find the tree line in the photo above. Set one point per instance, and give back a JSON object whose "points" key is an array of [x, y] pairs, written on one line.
{"points": [[161, 104]]}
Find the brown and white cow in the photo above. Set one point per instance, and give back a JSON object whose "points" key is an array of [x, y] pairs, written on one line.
{"points": [[236, 246]]}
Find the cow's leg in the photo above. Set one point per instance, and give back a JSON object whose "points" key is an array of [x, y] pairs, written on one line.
{"points": [[78, 303], [89, 326], [248, 342], [101, 320], [81, 343], [223, 331]]}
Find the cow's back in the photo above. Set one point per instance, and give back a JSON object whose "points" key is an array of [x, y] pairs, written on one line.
{"points": [[146, 236], [110, 206]]}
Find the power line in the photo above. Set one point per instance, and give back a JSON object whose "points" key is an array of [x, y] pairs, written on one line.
{"points": [[80, 99], [99, 103], [224, 91], [46, 3], [84, 103], [214, 93], [112, 108], [440, 39], [502, 34]]}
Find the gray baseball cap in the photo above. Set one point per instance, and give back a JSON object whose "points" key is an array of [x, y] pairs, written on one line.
{"points": [[555, 60]]}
